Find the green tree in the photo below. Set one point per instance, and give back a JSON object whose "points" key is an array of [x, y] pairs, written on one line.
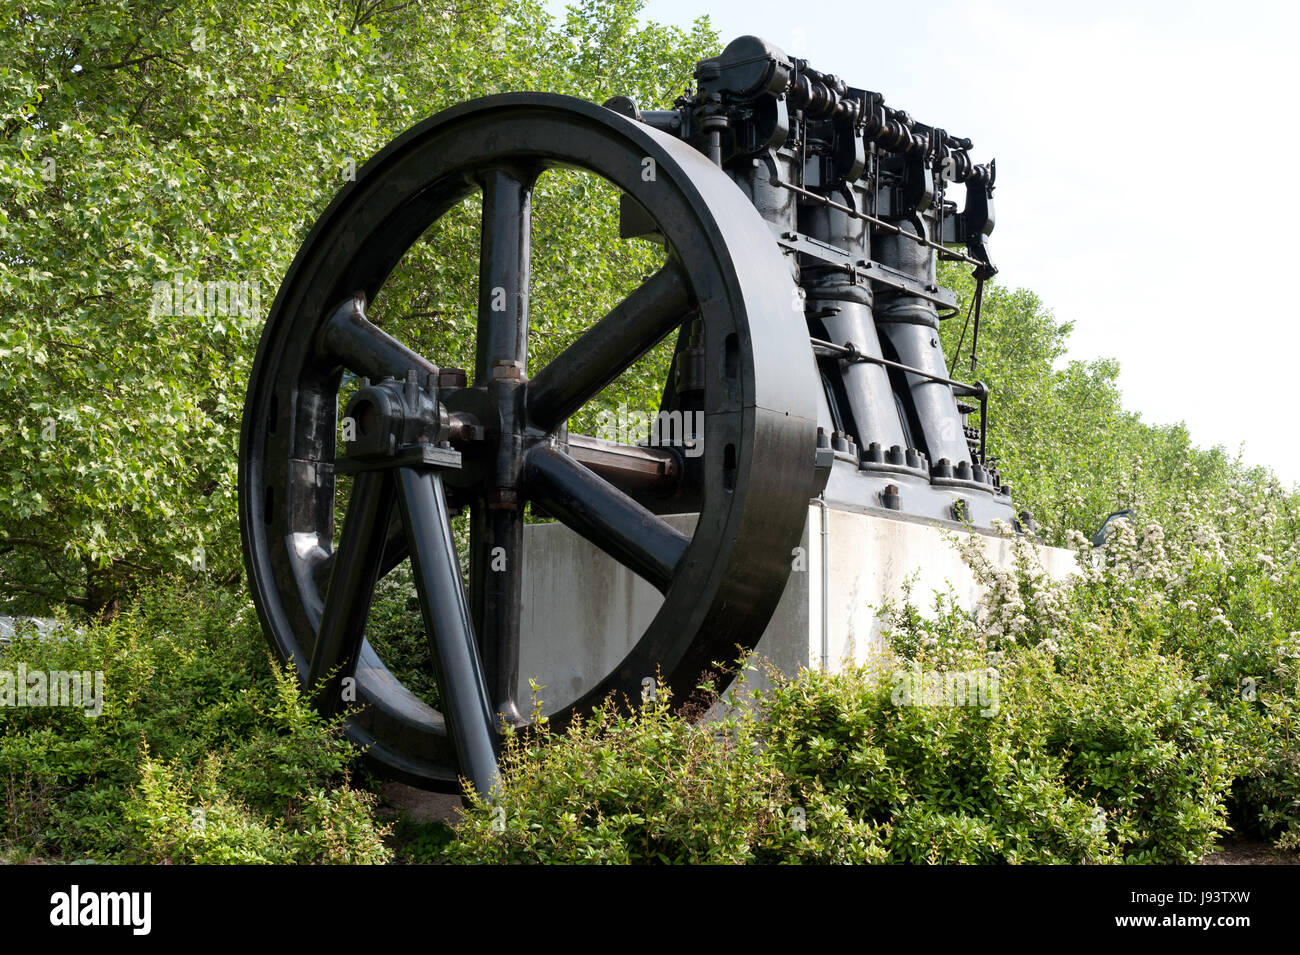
{"points": [[1059, 429], [146, 146]]}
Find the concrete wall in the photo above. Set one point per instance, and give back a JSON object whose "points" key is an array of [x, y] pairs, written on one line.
{"points": [[583, 611]]}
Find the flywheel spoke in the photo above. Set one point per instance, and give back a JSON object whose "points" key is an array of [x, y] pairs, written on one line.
{"points": [[466, 703], [394, 552], [604, 515], [353, 573], [634, 326], [504, 253], [364, 348], [496, 592]]}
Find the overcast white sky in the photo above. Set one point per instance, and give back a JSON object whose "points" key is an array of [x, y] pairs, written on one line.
{"points": [[1143, 152]]}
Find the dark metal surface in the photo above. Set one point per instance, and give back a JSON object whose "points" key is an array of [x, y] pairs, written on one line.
{"points": [[789, 206], [352, 585], [633, 327], [468, 710], [495, 439], [632, 469], [855, 192], [610, 519]]}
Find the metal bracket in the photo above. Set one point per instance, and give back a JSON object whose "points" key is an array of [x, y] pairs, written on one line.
{"points": [[411, 456], [864, 270]]}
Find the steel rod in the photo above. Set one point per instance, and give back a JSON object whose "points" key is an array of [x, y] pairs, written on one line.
{"points": [[830, 349], [979, 391], [353, 574], [466, 704], [888, 226], [984, 426], [975, 331]]}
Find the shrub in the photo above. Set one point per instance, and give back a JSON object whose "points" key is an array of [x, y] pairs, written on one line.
{"points": [[1116, 717], [195, 717], [1219, 590], [943, 784], [1094, 751], [641, 785], [197, 817], [1238, 629]]}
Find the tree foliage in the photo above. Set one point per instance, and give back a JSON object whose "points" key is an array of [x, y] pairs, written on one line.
{"points": [[1059, 429], [147, 148], [195, 141]]}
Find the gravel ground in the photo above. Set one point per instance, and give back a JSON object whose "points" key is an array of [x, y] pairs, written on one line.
{"points": [[1235, 850], [420, 806]]}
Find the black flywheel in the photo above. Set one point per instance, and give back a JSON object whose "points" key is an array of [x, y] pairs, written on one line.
{"points": [[492, 442]]}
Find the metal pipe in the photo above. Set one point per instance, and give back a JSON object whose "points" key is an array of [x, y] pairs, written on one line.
{"points": [[852, 354], [826, 583]]}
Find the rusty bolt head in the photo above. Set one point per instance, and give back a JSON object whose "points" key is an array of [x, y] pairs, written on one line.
{"points": [[452, 378], [507, 370]]}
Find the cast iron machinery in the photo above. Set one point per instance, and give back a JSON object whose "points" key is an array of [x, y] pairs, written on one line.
{"points": [[800, 220]]}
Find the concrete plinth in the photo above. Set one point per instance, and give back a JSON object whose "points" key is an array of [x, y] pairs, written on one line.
{"points": [[584, 611]]}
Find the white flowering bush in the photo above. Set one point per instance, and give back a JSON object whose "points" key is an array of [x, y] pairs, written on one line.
{"points": [[1211, 586], [1022, 604], [1130, 747], [1236, 623]]}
